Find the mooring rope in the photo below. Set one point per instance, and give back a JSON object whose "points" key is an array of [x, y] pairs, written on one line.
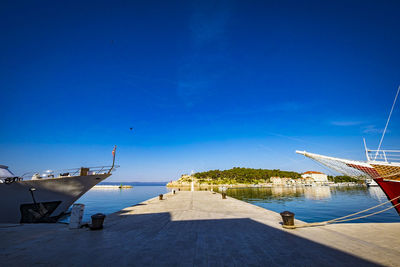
{"points": [[342, 219]]}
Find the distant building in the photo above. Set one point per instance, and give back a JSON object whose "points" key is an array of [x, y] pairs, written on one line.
{"points": [[276, 180], [305, 181], [281, 181], [318, 177]]}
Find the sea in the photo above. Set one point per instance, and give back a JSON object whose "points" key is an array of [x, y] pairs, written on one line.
{"points": [[310, 204], [320, 203], [110, 200]]}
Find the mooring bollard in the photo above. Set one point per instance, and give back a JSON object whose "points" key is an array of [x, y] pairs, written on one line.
{"points": [[223, 195], [97, 221], [160, 196], [75, 220], [287, 218]]}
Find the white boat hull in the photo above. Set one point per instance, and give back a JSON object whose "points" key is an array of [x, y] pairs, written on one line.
{"points": [[57, 193]]}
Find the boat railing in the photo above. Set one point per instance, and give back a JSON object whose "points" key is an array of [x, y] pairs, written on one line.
{"points": [[83, 171], [383, 155]]}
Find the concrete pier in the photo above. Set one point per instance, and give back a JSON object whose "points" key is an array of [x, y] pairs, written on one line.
{"points": [[200, 229]]}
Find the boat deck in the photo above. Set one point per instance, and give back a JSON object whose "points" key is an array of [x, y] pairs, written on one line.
{"points": [[200, 229]]}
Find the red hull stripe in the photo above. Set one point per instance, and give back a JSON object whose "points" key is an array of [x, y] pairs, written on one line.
{"points": [[370, 171], [390, 188]]}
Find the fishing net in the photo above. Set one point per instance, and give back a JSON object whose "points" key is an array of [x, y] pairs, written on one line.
{"points": [[352, 168]]}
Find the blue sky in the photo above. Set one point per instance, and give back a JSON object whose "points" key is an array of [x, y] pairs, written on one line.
{"points": [[204, 84]]}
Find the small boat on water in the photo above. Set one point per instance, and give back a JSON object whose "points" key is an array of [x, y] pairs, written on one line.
{"points": [[370, 183], [100, 186], [46, 197]]}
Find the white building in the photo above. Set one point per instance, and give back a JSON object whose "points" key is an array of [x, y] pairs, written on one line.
{"points": [[318, 177], [281, 181]]}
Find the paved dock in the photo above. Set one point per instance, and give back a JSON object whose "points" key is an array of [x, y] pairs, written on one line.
{"points": [[200, 229]]}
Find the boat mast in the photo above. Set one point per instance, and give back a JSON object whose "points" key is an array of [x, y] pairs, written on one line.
{"points": [[113, 153], [387, 123]]}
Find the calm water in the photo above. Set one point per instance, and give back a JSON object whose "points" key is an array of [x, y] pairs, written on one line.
{"points": [[310, 204], [109, 200], [314, 204]]}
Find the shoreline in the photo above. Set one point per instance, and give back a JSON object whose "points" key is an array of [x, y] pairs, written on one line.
{"points": [[173, 185], [112, 186]]}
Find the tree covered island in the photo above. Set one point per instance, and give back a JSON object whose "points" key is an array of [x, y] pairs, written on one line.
{"points": [[248, 176]]}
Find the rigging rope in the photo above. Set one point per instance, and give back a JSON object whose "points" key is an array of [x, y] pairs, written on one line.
{"points": [[387, 123], [342, 219]]}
